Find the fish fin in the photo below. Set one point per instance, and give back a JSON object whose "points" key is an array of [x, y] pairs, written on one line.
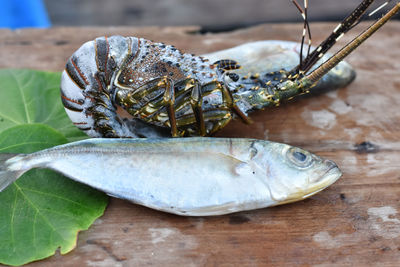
{"points": [[238, 166], [8, 175], [212, 210], [232, 158]]}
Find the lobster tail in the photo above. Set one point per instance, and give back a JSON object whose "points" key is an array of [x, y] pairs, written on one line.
{"points": [[86, 86]]}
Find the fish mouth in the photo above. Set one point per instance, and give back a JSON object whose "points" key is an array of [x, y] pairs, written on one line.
{"points": [[332, 174]]}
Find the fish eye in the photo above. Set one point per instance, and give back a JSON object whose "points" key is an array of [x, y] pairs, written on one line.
{"points": [[299, 157]]}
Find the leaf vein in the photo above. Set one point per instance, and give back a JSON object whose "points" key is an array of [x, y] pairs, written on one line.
{"points": [[39, 213], [34, 229], [23, 144], [12, 221], [56, 196], [63, 214], [10, 119], [22, 96]]}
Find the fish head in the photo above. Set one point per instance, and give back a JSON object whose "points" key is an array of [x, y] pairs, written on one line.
{"points": [[293, 174]]}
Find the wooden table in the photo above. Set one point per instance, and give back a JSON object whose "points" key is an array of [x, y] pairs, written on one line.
{"points": [[355, 221]]}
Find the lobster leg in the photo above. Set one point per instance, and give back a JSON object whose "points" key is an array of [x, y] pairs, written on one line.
{"points": [[222, 66], [196, 101], [169, 99], [228, 98], [138, 103], [217, 117]]}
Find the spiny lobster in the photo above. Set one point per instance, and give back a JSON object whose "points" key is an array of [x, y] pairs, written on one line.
{"points": [[132, 87]]}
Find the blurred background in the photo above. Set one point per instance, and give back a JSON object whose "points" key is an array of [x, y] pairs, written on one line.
{"points": [[211, 15]]}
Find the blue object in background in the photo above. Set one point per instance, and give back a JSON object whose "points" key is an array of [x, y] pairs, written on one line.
{"points": [[23, 13]]}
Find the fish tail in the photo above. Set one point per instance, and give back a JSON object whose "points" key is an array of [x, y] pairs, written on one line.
{"points": [[10, 169]]}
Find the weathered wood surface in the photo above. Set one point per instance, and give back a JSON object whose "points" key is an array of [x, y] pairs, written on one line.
{"points": [[354, 222]]}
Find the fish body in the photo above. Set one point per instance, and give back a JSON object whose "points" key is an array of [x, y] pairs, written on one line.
{"points": [[186, 176]]}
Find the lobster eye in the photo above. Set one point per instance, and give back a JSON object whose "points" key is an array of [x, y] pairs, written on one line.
{"points": [[234, 77], [299, 157]]}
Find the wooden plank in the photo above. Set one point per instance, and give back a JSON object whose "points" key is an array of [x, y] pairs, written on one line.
{"points": [[354, 222]]}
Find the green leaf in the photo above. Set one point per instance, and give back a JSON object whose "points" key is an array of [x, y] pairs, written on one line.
{"points": [[26, 138], [29, 96], [43, 210]]}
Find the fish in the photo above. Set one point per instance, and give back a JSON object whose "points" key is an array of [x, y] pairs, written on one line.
{"points": [[185, 176]]}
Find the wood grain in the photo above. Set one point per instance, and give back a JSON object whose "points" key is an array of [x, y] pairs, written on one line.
{"points": [[354, 222]]}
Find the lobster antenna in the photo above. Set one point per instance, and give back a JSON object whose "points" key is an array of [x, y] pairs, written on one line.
{"points": [[371, 13], [317, 74], [379, 8], [306, 28], [337, 33]]}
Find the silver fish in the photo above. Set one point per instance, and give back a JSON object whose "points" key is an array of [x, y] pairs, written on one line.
{"points": [[190, 176]]}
